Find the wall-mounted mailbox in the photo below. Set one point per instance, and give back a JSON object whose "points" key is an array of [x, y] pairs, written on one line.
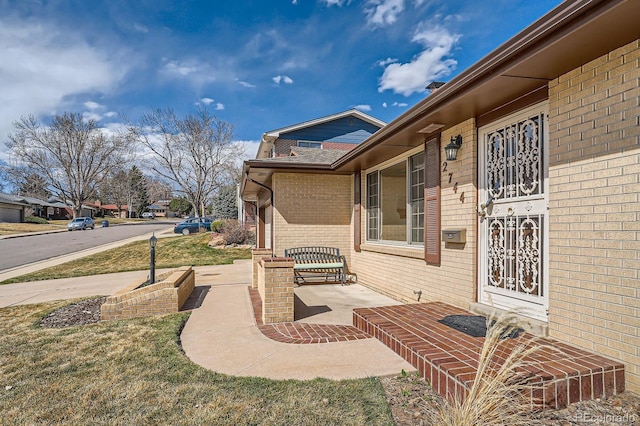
{"points": [[454, 235]]}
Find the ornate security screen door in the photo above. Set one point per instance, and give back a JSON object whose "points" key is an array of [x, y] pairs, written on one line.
{"points": [[512, 211]]}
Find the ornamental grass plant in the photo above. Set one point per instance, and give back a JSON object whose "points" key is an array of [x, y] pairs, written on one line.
{"points": [[501, 390]]}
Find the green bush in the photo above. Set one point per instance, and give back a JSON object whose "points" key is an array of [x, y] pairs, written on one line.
{"points": [[35, 219], [217, 226]]}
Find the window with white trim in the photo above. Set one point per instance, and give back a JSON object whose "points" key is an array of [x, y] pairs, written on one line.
{"points": [[309, 144], [395, 202]]}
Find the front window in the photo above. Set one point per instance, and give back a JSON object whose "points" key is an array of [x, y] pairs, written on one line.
{"points": [[395, 202]]}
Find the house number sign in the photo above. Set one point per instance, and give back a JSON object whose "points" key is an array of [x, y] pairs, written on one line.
{"points": [[455, 185]]}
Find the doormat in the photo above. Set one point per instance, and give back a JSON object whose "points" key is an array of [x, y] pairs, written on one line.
{"points": [[473, 325]]}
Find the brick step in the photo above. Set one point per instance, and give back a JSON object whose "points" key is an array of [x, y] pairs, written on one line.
{"points": [[448, 358]]}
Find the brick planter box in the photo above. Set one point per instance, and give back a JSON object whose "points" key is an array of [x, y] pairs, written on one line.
{"points": [[166, 296]]}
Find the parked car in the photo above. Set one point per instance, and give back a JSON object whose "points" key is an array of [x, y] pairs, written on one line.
{"points": [[81, 223], [148, 215], [189, 226]]}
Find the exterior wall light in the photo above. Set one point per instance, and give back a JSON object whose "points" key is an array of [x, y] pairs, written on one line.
{"points": [[451, 150]]}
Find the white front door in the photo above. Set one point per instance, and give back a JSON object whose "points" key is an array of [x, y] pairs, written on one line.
{"points": [[512, 212]]}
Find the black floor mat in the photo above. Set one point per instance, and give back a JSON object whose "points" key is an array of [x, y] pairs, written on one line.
{"points": [[473, 325]]}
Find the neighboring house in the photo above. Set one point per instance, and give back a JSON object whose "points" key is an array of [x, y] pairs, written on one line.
{"points": [[61, 210], [541, 209], [342, 131], [160, 208], [112, 210], [35, 206], [312, 143], [12, 209]]}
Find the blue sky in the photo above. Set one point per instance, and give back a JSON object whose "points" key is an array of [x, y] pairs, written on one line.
{"points": [[257, 64]]}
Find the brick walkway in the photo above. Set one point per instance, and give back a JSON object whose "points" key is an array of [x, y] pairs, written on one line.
{"points": [[303, 333], [448, 358]]}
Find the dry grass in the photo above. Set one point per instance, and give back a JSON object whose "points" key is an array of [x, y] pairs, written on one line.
{"points": [[7, 228], [134, 372], [500, 391], [170, 253]]}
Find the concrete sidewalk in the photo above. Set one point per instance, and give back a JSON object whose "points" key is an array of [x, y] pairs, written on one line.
{"points": [[221, 333]]}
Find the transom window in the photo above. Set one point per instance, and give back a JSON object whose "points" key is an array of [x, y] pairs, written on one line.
{"points": [[309, 144], [395, 202]]}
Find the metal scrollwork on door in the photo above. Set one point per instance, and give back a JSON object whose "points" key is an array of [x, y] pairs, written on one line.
{"points": [[529, 256], [496, 253], [514, 159]]}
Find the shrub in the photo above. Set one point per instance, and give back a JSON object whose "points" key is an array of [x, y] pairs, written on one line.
{"points": [[217, 226], [235, 233], [35, 219]]}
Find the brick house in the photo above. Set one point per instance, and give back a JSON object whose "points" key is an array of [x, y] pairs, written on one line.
{"points": [[539, 211]]}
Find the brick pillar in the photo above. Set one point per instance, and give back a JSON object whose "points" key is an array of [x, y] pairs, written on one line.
{"points": [[256, 256], [276, 288]]}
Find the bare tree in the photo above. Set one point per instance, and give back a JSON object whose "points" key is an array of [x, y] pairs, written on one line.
{"points": [[196, 152], [158, 189], [71, 154]]}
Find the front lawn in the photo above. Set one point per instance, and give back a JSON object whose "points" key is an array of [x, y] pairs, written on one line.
{"points": [[134, 372], [170, 253]]}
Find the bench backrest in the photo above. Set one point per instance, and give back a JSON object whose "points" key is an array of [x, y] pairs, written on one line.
{"points": [[313, 254]]}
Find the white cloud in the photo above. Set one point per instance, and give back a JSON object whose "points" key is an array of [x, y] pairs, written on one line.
{"points": [[338, 3], [176, 68], [94, 114], [92, 105], [140, 28], [383, 12], [193, 71], [245, 84], [400, 104], [429, 65], [385, 62], [206, 101], [384, 105], [282, 79], [294, 2], [91, 116], [363, 107], [43, 66], [219, 106]]}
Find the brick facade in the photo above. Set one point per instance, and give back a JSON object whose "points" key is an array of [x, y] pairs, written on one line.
{"points": [[312, 210], [594, 204]]}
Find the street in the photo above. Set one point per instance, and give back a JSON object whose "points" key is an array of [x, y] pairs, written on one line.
{"points": [[15, 252]]}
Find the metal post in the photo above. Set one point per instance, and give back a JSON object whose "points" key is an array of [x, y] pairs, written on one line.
{"points": [[152, 267]]}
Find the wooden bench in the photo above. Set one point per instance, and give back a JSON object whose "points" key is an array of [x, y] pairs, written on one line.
{"points": [[314, 261]]}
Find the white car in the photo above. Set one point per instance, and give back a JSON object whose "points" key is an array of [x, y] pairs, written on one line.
{"points": [[81, 223], [148, 215]]}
